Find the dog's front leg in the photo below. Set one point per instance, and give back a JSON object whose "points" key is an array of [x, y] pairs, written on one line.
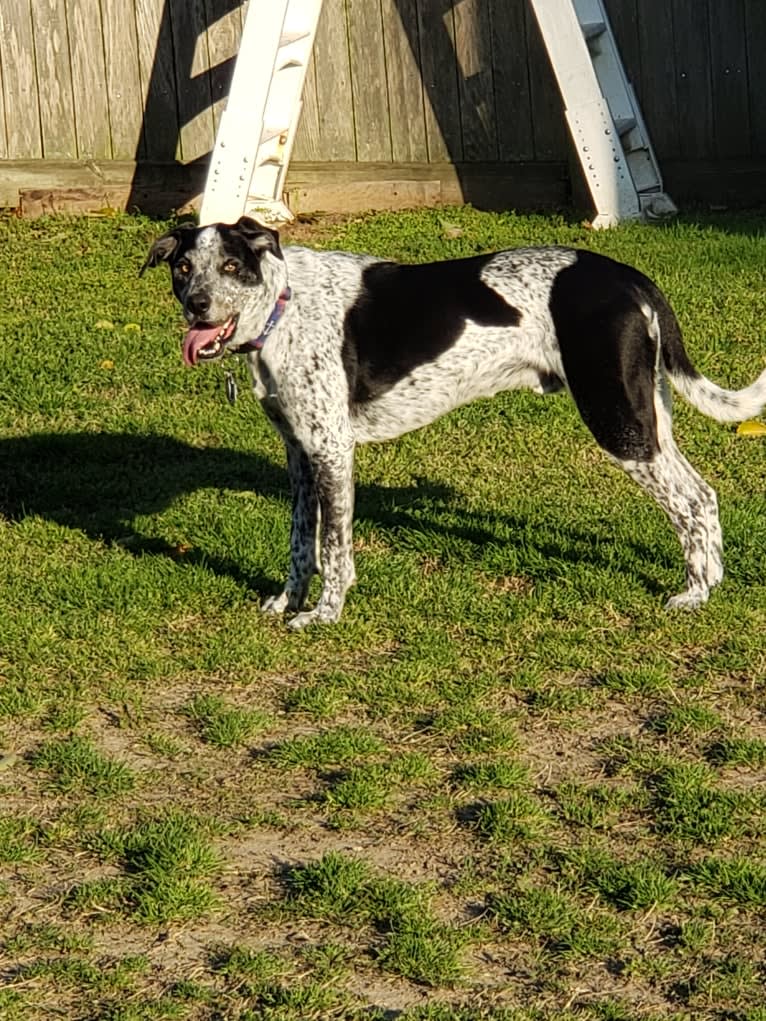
{"points": [[303, 533], [333, 474]]}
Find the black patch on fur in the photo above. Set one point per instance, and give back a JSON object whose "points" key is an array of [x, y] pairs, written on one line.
{"points": [[550, 383], [608, 355], [234, 246], [166, 247], [406, 316], [257, 236], [243, 247]]}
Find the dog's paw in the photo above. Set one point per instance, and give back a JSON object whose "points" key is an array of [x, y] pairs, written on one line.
{"points": [[715, 571], [302, 620], [275, 605], [687, 600], [319, 615]]}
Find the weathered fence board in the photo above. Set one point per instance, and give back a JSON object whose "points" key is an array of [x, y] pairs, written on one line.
{"points": [[21, 95], [658, 78], [223, 33], [515, 138], [368, 63], [196, 135], [475, 80], [158, 83], [694, 86], [123, 80], [89, 81], [756, 44], [405, 84], [54, 68], [331, 135], [436, 31], [391, 82], [3, 127], [731, 110], [308, 137]]}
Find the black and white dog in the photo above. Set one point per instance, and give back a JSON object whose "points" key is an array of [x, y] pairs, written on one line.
{"points": [[345, 349]]}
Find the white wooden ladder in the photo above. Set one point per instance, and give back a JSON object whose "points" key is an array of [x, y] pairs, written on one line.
{"points": [[257, 129], [602, 112]]}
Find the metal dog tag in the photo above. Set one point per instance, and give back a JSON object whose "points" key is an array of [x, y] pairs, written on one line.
{"points": [[231, 388]]}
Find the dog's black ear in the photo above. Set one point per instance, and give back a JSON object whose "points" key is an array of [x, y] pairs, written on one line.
{"points": [[257, 236], [164, 248]]}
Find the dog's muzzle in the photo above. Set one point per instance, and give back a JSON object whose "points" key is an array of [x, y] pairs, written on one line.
{"points": [[206, 341]]}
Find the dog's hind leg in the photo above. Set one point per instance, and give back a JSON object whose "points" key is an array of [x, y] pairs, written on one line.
{"points": [[303, 533], [612, 357], [692, 507], [689, 502]]}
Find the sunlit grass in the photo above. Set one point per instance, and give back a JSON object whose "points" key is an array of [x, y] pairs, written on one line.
{"points": [[507, 786]]}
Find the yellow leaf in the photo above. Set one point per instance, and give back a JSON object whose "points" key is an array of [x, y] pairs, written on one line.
{"points": [[451, 230], [107, 364], [104, 324], [751, 429], [132, 328]]}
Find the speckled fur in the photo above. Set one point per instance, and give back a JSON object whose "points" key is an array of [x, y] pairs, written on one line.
{"points": [[302, 379]]}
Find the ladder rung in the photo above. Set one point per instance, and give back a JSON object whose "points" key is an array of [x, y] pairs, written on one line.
{"points": [[288, 38], [257, 129], [624, 125], [593, 29], [288, 64], [602, 113], [272, 132]]}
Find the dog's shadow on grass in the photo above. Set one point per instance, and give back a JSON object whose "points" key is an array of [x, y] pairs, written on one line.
{"points": [[99, 483]]}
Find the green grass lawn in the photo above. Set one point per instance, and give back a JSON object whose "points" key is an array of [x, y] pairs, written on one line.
{"points": [[507, 785]]}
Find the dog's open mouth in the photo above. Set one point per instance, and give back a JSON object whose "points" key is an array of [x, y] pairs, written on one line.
{"points": [[206, 340]]}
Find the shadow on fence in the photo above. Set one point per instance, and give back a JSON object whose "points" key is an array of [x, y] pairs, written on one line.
{"points": [[175, 97], [178, 114]]}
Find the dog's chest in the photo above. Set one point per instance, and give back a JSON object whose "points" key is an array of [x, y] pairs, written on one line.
{"points": [[264, 384], [267, 392], [270, 401], [276, 391]]}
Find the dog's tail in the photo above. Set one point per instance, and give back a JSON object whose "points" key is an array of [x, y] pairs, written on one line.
{"points": [[709, 398]]}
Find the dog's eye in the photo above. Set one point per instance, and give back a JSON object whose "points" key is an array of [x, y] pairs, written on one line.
{"points": [[230, 266], [183, 267]]}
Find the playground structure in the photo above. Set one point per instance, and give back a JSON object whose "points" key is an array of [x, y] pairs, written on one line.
{"points": [[257, 130], [404, 103]]}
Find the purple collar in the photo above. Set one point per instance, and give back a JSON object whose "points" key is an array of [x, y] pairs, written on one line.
{"points": [[276, 315]]}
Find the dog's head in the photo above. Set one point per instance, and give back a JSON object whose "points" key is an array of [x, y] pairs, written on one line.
{"points": [[227, 278]]}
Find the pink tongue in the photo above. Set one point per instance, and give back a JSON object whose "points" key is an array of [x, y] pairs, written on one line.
{"points": [[197, 338]]}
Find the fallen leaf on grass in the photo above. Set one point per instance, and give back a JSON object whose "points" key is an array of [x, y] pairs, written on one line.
{"points": [[751, 429], [451, 230]]}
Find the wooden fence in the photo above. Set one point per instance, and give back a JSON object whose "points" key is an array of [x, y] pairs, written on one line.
{"points": [[405, 101]]}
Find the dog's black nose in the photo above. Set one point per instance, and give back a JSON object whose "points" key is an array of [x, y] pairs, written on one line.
{"points": [[198, 304]]}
